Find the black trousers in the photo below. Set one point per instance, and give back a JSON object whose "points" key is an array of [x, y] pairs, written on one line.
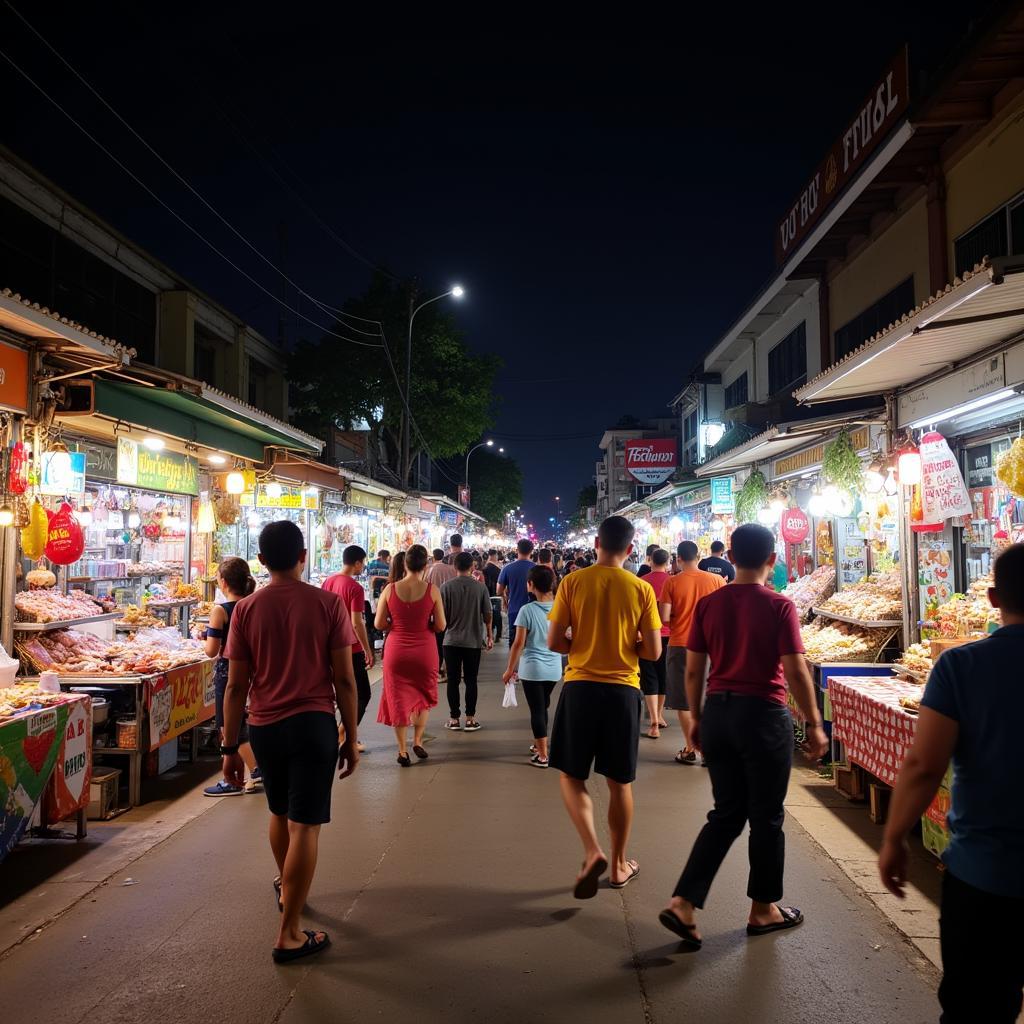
{"points": [[982, 955], [440, 650], [538, 696], [462, 662], [496, 617], [748, 745], [362, 684]]}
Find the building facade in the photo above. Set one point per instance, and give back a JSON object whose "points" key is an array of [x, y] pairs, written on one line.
{"points": [[615, 486]]}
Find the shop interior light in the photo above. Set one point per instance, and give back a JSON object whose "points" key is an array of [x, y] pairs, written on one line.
{"points": [[890, 485], [713, 433], [134, 520], [837, 502], [966, 407], [217, 460], [273, 489], [235, 483], [154, 444], [873, 479], [766, 516], [675, 524], [909, 465], [84, 517], [777, 506], [817, 505], [6, 514], [312, 492], [206, 521]]}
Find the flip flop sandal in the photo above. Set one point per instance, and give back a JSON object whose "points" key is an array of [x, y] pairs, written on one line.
{"points": [[277, 889], [420, 752], [586, 887], [791, 917], [680, 928], [308, 948], [634, 870], [681, 758]]}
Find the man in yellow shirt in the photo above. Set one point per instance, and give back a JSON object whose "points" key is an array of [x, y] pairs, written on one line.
{"points": [[605, 620]]}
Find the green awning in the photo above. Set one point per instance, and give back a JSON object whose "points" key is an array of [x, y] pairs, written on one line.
{"points": [[191, 418]]}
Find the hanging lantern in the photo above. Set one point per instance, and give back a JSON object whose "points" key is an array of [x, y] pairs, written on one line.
{"points": [[890, 485], [206, 521], [17, 475], [34, 535], [818, 505], [909, 465], [235, 483], [873, 479], [65, 540], [6, 514]]}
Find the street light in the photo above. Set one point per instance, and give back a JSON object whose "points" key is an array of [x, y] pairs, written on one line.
{"points": [[456, 292], [482, 444]]}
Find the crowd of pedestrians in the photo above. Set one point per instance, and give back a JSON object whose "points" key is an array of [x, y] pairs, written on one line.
{"points": [[708, 639]]}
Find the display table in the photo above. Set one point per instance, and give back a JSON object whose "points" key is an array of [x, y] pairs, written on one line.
{"points": [[47, 751]]}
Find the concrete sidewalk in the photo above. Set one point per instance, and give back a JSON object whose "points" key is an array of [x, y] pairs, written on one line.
{"points": [[447, 890]]}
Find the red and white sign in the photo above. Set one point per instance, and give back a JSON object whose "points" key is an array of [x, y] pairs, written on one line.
{"points": [[795, 526], [651, 461], [943, 491], [70, 781]]}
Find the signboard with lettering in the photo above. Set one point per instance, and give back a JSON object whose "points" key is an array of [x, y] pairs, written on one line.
{"points": [[70, 789], [137, 466], [967, 385], [13, 378], [795, 526], [722, 500], [178, 701], [53, 479], [979, 466], [943, 492], [651, 461], [290, 497], [864, 133], [100, 460], [365, 499]]}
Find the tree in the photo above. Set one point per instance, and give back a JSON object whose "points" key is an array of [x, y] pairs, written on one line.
{"points": [[496, 485], [587, 498], [338, 381]]}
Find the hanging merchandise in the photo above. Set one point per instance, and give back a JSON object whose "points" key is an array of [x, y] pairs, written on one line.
{"points": [[34, 535], [943, 491], [17, 474], [1010, 468], [841, 466], [917, 520], [22, 514], [65, 540], [753, 496]]}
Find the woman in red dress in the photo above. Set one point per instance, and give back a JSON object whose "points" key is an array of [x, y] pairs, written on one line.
{"points": [[411, 612]]}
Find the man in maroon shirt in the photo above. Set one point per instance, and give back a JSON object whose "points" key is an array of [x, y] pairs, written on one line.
{"points": [[745, 733], [290, 651], [353, 597]]}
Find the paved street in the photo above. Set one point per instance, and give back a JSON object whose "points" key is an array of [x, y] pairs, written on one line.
{"points": [[446, 889]]}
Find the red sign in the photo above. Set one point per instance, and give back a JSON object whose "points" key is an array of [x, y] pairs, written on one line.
{"points": [[178, 700], [795, 526], [651, 462], [464, 496], [864, 133], [69, 791]]}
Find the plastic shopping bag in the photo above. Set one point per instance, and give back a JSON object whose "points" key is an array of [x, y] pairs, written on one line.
{"points": [[509, 700]]}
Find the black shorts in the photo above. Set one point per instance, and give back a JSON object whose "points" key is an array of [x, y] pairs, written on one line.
{"points": [[219, 687], [298, 757], [599, 724], [652, 674]]}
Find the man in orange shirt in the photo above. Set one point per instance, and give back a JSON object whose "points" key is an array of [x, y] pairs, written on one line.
{"points": [[677, 603]]}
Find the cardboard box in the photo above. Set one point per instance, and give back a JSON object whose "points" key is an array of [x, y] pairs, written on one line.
{"points": [[103, 789]]}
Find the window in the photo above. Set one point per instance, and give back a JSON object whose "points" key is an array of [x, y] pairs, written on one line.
{"points": [[787, 361], [690, 426], [204, 357], [258, 375], [889, 308], [736, 392], [998, 235]]}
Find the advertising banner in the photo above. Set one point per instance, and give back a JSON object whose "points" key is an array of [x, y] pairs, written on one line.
{"points": [[290, 497], [651, 461], [137, 466], [722, 500], [795, 526], [73, 769], [178, 701]]}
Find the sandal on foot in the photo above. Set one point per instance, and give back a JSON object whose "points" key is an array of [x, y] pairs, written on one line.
{"points": [[277, 889], [420, 752], [586, 885], [634, 870], [405, 760], [791, 917], [308, 948], [685, 931], [686, 758]]}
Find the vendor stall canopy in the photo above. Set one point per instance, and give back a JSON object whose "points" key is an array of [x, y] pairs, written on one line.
{"points": [[975, 314]]}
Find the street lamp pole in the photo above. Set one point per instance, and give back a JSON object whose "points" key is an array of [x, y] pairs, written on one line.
{"points": [[482, 444], [456, 292]]}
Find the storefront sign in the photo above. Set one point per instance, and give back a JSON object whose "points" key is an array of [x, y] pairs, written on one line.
{"points": [[698, 496], [178, 701], [70, 790], [851, 551], [943, 492], [427, 506], [966, 385], [290, 497], [58, 481], [13, 378], [137, 466], [365, 499], [980, 466], [795, 526], [651, 461], [100, 460], [812, 457], [722, 500], [449, 516], [864, 133]]}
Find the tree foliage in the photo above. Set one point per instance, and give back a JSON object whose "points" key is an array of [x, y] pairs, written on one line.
{"points": [[496, 485], [340, 382], [587, 498]]}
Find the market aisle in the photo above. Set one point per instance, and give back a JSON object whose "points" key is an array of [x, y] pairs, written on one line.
{"points": [[446, 890]]}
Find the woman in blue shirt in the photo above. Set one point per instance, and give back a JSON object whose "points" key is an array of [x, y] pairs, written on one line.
{"points": [[539, 668]]}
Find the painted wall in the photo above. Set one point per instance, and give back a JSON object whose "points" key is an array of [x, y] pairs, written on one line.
{"points": [[901, 250], [806, 310]]}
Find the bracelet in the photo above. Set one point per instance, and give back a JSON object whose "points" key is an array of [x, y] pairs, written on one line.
{"points": [[227, 749]]}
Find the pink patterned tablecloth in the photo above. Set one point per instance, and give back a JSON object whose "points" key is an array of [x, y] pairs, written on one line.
{"points": [[868, 720]]}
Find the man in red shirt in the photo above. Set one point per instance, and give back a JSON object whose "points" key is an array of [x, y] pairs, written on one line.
{"points": [[652, 673], [290, 652], [353, 597], [745, 733]]}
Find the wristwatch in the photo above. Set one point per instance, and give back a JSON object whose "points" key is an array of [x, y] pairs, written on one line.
{"points": [[231, 749]]}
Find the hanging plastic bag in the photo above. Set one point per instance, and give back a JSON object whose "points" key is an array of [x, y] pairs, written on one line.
{"points": [[509, 700], [943, 491], [65, 541]]}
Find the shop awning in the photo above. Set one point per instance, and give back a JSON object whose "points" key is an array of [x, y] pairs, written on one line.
{"points": [[210, 421], [444, 501], [978, 312], [778, 440]]}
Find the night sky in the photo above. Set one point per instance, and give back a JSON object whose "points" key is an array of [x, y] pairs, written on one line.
{"points": [[608, 202]]}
